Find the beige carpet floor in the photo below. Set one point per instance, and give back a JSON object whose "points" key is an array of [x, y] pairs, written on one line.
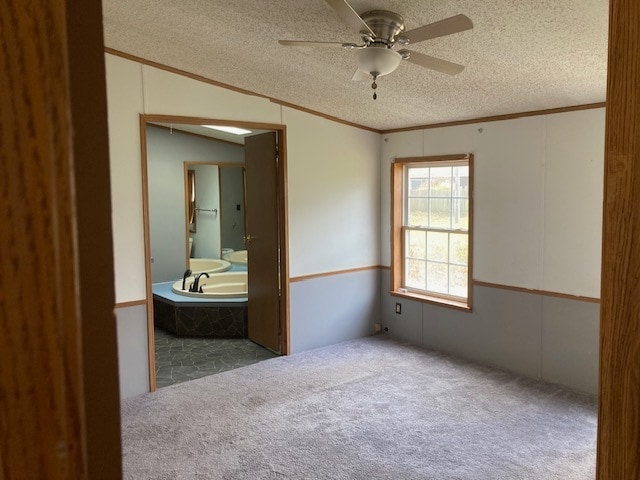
{"points": [[369, 409]]}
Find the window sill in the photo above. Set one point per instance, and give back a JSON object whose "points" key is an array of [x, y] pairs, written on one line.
{"points": [[442, 302]]}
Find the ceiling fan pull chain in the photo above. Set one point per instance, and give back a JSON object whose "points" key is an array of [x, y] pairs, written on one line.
{"points": [[374, 85]]}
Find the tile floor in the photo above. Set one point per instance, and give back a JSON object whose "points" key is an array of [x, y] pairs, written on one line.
{"points": [[179, 359]]}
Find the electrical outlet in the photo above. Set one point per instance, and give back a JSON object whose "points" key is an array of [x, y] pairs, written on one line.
{"points": [[398, 308], [378, 327]]}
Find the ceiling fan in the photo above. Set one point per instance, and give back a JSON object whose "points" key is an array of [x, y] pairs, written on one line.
{"points": [[381, 31]]}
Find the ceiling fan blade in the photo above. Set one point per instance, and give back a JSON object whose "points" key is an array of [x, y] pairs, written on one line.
{"points": [[434, 63], [303, 43], [361, 76], [458, 23], [349, 16]]}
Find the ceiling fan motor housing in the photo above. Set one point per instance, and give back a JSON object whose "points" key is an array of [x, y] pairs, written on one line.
{"points": [[385, 25], [377, 58]]}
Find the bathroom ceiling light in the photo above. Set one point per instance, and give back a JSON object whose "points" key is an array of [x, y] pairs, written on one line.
{"points": [[234, 130]]}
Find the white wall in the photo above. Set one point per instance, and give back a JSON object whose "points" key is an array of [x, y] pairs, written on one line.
{"points": [[537, 225], [537, 197], [333, 185], [334, 192], [573, 199], [124, 105]]}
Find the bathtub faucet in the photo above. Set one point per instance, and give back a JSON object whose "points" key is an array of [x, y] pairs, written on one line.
{"points": [[187, 272], [194, 287]]}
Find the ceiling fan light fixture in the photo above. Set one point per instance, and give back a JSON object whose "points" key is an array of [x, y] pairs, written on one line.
{"points": [[378, 59]]}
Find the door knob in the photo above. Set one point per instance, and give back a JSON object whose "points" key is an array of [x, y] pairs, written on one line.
{"points": [[248, 239]]}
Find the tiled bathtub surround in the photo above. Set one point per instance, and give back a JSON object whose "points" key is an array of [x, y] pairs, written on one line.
{"points": [[196, 321]]}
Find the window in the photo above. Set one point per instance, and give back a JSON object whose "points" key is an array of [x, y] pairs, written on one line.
{"points": [[432, 229]]}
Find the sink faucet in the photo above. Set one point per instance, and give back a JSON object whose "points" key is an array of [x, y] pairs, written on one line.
{"points": [[194, 287], [187, 272]]}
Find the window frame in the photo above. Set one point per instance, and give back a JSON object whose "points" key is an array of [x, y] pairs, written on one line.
{"points": [[397, 238]]}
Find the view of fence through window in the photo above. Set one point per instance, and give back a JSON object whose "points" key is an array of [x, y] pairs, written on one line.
{"points": [[436, 228]]}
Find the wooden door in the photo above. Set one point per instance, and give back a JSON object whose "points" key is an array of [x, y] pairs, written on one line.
{"points": [[59, 402], [261, 168], [619, 395]]}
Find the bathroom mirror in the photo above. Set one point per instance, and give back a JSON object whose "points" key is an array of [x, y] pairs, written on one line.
{"points": [[218, 209]]}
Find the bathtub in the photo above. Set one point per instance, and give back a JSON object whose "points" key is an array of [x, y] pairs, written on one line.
{"points": [[209, 265], [218, 285], [238, 257]]}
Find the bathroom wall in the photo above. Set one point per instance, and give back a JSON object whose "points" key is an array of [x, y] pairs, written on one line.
{"points": [[166, 153], [333, 204], [537, 242]]}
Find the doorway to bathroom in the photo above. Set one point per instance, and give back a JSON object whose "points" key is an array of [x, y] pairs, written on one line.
{"points": [[202, 334]]}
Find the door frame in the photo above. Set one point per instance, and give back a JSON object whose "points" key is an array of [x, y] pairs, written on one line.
{"points": [[283, 233]]}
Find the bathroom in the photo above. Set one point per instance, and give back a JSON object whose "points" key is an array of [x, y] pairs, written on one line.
{"points": [[197, 209]]}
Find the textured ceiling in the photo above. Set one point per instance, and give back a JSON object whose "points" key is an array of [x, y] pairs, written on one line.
{"points": [[520, 56]]}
